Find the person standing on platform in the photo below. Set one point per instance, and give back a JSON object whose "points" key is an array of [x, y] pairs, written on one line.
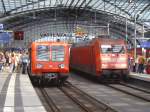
{"points": [[136, 65], [141, 62], [18, 62], [13, 61], [2, 61], [24, 60], [7, 59]]}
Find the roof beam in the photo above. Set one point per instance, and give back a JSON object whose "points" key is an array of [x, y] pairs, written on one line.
{"points": [[83, 2], [66, 3], [76, 3], [71, 3], [136, 8], [3, 6], [140, 7], [27, 4], [148, 5], [97, 3], [116, 6]]}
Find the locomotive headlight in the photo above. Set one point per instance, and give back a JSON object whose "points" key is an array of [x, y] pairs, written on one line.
{"points": [[104, 65], [123, 65], [39, 65], [61, 66]]}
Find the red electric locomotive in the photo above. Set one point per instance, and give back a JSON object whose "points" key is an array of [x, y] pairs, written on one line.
{"points": [[104, 58], [49, 60]]}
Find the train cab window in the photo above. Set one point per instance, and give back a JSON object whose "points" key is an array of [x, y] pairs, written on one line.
{"points": [[112, 49], [106, 48], [118, 49], [43, 53], [57, 53]]}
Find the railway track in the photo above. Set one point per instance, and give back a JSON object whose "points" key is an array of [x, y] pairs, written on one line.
{"points": [[86, 102], [131, 90], [83, 102], [49, 101], [75, 97]]}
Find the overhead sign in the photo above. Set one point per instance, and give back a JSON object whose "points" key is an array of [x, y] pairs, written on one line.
{"points": [[5, 37], [145, 44], [1, 26]]}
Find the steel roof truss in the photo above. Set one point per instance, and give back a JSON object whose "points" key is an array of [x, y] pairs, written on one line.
{"points": [[148, 5], [71, 3], [118, 7], [76, 3], [96, 2], [86, 5], [26, 5], [83, 2], [138, 9], [66, 3]]}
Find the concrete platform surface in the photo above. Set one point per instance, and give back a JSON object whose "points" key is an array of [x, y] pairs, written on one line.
{"points": [[17, 94], [143, 77]]}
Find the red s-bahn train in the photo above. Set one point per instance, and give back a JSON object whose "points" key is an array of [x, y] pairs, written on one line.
{"points": [[104, 58], [49, 61]]}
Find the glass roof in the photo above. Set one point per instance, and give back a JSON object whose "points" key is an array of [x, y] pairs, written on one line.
{"points": [[126, 8]]}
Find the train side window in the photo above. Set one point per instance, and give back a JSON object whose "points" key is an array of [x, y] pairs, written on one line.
{"points": [[58, 53], [43, 53]]}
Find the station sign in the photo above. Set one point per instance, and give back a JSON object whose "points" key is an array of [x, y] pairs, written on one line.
{"points": [[79, 32], [46, 34]]}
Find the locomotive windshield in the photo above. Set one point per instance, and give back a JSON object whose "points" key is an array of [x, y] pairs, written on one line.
{"points": [[112, 49], [58, 53], [43, 53]]}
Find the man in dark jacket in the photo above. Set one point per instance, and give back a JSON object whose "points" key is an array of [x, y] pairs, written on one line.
{"points": [[24, 60]]}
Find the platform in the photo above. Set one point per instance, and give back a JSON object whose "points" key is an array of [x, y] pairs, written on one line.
{"points": [[17, 94], [139, 76]]}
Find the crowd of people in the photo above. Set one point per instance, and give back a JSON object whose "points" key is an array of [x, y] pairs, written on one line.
{"points": [[18, 61], [139, 65], [14, 61]]}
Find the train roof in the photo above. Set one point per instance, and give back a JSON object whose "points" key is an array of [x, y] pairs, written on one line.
{"points": [[55, 43], [90, 42]]}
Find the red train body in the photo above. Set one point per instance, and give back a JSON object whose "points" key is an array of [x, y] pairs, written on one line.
{"points": [[103, 58], [148, 53], [49, 60]]}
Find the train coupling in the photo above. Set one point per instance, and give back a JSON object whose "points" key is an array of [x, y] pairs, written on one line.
{"points": [[51, 76]]}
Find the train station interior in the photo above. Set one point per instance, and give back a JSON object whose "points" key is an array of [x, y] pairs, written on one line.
{"points": [[74, 55]]}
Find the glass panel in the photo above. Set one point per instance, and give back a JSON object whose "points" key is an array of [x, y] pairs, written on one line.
{"points": [[106, 48], [43, 53], [112, 49], [58, 53], [118, 49]]}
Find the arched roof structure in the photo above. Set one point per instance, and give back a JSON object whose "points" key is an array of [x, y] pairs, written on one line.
{"points": [[21, 13], [125, 8]]}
